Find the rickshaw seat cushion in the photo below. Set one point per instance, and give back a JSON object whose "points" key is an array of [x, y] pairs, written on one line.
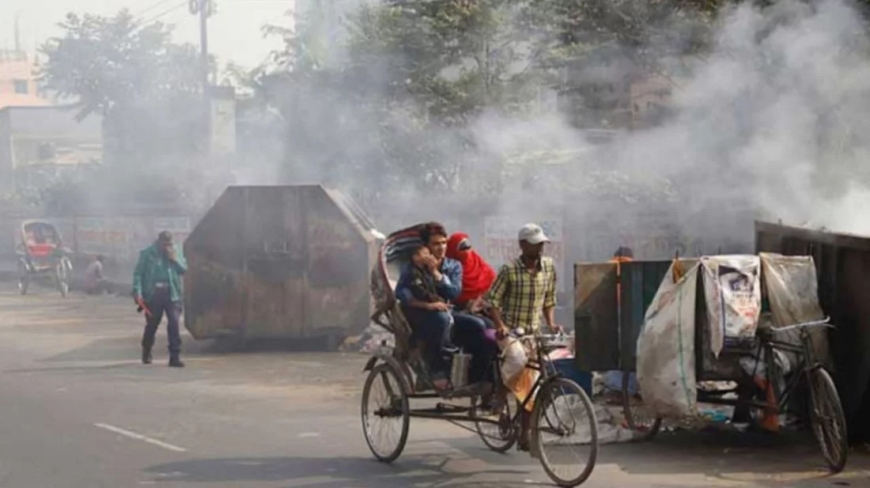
{"points": [[40, 250]]}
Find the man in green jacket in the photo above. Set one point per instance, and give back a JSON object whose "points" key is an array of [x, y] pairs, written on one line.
{"points": [[157, 288]]}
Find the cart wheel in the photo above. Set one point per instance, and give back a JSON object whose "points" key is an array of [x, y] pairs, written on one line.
{"points": [[829, 423], [385, 413], [497, 430], [23, 279], [62, 282], [639, 419], [568, 449]]}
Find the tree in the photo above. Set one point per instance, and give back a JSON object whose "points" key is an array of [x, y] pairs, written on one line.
{"points": [[146, 88]]}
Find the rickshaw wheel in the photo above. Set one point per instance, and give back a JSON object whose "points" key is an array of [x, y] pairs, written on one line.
{"points": [[647, 426], [23, 279], [502, 436], [384, 410], [61, 276], [563, 402], [828, 420]]}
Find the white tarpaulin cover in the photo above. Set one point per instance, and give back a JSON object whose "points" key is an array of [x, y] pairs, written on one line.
{"points": [[792, 290], [732, 287], [666, 346]]}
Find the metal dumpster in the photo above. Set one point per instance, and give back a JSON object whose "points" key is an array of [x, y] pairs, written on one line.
{"points": [[843, 269], [279, 262]]}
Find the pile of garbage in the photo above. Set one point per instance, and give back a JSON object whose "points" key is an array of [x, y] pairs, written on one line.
{"points": [[372, 338]]}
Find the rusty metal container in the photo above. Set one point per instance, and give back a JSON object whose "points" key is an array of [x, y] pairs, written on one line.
{"points": [[279, 262], [843, 268]]}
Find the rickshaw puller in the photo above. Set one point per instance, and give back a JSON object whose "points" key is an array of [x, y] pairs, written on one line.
{"points": [[157, 284], [524, 289]]}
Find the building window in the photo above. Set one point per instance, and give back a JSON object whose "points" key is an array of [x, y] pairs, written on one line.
{"points": [[21, 87]]}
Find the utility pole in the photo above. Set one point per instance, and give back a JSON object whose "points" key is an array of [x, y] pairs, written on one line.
{"points": [[204, 8]]}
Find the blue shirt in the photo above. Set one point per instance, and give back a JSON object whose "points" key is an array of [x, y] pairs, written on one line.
{"points": [[448, 288]]}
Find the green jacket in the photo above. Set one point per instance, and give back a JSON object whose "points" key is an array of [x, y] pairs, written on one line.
{"points": [[150, 261]]}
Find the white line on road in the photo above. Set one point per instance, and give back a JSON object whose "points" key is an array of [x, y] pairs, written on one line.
{"points": [[140, 437], [309, 434]]}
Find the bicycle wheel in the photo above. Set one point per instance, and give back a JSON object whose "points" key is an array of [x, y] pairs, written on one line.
{"points": [[502, 435], [638, 417], [562, 402], [385, 411], [62, 281], [828, 420]]}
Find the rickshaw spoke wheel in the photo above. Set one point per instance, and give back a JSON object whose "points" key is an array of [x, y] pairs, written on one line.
{"points": [[385, 413], [828, 420], [565, 432], [499, 433], [639, 418]]}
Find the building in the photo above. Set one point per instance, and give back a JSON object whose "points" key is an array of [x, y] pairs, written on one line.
{"points": [[18, 84], [37, 142]]}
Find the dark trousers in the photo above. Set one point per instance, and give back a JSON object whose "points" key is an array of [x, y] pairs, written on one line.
{"points": [[434, 329], [469, 334], [158, 305]]}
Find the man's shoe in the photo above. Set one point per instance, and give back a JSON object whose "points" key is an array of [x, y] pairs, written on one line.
{"points": [[175, 363], [146, 356]]}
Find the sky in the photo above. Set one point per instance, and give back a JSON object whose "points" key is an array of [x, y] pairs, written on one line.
{"points": [[234, 32]]}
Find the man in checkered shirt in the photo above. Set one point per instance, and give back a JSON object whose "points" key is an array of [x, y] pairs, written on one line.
{"points": [[524, 289]]}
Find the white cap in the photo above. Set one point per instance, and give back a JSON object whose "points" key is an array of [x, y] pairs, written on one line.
{"points": [[533, 234]]}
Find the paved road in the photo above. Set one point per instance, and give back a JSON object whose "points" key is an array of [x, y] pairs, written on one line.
{"points": [[77, 410]]}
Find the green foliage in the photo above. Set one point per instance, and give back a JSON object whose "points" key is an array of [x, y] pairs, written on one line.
{"points": [[110, 61], [146, 88]]}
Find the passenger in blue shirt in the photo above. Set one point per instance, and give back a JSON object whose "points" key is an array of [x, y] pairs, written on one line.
{"points": [[430, 320]]}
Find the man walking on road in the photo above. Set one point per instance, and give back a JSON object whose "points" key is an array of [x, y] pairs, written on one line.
{"points": [[157, 289]]}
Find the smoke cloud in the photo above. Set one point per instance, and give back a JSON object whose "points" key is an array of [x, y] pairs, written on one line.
{"points": [[769, 122]]}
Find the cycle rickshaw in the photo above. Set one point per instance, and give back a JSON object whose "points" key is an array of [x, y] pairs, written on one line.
{"points": [[42, 256], [397, 378], [784, 350]]}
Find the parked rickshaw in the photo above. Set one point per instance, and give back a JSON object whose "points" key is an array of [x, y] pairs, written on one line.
{"points": [[42, 256], [785, 353], [397, 376]]}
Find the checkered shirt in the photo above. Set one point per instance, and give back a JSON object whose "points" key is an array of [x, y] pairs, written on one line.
{"points": [[521, 295]]}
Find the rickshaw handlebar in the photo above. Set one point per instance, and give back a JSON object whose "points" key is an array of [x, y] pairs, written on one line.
{"points": [[816, 323]]}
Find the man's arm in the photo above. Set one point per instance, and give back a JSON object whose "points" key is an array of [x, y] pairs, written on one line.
{"points": [[179, 263], [137, 275], [451, 281], [496, 296], [550, 303]]}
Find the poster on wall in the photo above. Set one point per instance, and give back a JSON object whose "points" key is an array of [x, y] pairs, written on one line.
{"points": [[501, 246]]}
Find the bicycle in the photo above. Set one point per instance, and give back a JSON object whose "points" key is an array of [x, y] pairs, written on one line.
{"points": [[548, 417], [825, 410]]}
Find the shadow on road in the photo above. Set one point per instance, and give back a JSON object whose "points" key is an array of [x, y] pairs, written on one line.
{"points": [[320, 472], [787, 457]]}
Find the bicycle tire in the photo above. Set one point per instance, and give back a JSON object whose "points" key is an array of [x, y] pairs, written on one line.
{"points": [[399, 405], [544, 399], [508, 432], [823, 395]]}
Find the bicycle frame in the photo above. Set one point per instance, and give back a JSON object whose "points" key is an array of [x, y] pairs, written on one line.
{"points": [[807, 362]]}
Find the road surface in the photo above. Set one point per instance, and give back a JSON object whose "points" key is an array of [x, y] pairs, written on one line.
{"points": [[78, 410]]}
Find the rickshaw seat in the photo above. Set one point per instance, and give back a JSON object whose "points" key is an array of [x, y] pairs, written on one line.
{"points": [[40, 250]]}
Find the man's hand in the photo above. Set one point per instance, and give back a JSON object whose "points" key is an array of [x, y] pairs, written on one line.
{"points": [[171, 253], [432, 265], [439, 307], [137, 299], [557, 329]]}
